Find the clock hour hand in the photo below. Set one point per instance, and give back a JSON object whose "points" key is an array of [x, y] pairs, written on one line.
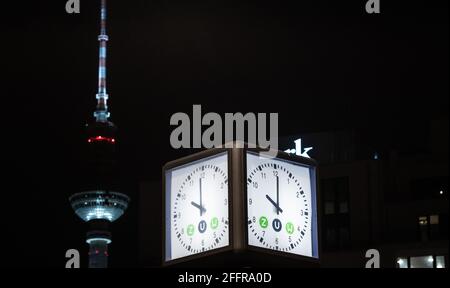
{"points": [[279, 210], [201, 208]]}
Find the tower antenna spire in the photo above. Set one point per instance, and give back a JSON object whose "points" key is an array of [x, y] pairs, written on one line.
{"points": [[101, 113]]}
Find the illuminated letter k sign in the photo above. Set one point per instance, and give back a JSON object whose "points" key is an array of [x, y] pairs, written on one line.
{"points": [[298, 149]]}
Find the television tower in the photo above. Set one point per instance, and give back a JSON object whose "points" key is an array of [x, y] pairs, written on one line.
{"points": [[100, 204]]}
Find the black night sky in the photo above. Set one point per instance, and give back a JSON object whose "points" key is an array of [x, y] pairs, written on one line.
{"points": [[322, 65]]}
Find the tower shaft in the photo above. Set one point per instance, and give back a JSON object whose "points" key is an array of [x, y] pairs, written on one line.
{"points": [[98, 254], [98, 241]]}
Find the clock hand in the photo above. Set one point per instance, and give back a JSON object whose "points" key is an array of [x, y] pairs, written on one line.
{"points": [[201, 211], [274, 204], [278, 194], [198, 206]]}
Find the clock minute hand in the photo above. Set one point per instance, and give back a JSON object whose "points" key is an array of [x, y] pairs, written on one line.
{"points": [[274, 204], [201, 211], [278, 193]]}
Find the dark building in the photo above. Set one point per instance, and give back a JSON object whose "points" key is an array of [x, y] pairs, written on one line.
{"points": [[392, 200]]}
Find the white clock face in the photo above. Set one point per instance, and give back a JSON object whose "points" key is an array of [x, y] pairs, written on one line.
{"points": [[281, 206], [197, 212]]}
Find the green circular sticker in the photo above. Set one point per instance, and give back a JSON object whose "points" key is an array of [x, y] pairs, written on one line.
{"points": [[290, 228], [214, 223], [190, 230], [263, 222]]}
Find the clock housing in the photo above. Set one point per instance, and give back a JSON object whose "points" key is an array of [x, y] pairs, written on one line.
{"points": [[281, 204], [196, 205], [297, 226]]}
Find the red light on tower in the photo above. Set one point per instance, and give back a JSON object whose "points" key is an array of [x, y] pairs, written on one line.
{"points": [[101, 139]]}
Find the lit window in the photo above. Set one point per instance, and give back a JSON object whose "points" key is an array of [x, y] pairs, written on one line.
{"points": [[423, 220], [434, 219], [422, 262], [423, 228], [375, 156], [402, 263], [428, 261], [440, 262]]}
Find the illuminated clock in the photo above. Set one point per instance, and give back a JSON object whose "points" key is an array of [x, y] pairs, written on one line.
{"points": [[281, 205], [232, 205], [197, 206]]}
